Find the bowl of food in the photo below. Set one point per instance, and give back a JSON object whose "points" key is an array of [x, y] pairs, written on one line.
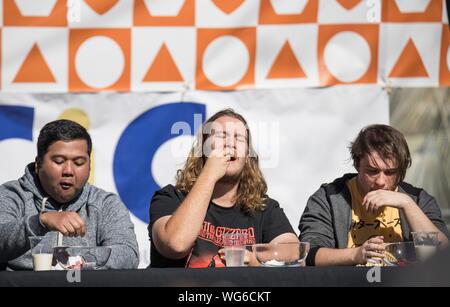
{"points": [[281, 254], [80, 257], [399, 254]]}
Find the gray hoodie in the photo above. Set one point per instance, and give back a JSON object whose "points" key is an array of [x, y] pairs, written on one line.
{"points": [[106, 218]]}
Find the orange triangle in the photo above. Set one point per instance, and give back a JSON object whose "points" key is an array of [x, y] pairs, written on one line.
{"points": [[101, 7], [163, 68], [228, 6], [286, 65], [348, 4], [409, 64], [34, 68]]}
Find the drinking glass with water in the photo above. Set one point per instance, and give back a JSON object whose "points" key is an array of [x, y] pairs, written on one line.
{"points": [[234, 248]]}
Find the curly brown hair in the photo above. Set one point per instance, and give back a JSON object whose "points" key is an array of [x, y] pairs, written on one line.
{"points": [[252, 187]]}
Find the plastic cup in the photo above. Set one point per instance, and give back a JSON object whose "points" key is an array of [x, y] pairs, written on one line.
{"points": [[42, 254], [234, 247], [426, 244]]}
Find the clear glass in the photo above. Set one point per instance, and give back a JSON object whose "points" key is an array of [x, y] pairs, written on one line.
{"points": [[399, 254], [234, 248], [426, 244]]}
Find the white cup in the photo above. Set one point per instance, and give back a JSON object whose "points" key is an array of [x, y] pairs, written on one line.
{"points": [[234, 248], [42, 254], [42, 261]]}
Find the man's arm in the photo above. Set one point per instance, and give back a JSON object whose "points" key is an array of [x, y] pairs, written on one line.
{"points": [[117, 231], [285, 237], [15, 228], [316, 224], [175, 235], [418, 221], [416, 218]]}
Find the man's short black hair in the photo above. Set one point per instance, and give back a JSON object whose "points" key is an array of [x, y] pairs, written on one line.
{"points": [[61, 130]]}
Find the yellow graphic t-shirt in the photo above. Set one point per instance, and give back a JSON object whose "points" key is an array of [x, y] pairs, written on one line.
{"points": [[365, 225]]}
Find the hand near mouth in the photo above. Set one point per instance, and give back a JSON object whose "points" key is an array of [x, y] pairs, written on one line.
{"points": [[217, 163]]}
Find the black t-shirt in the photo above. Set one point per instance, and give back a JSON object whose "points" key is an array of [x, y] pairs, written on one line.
{"points": [[261, 227]]}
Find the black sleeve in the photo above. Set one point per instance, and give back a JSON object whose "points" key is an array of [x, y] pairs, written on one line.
{"points": [[275, 222], [164, 202]]}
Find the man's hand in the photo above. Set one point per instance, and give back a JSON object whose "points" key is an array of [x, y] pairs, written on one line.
{"points": [[374, 201], [372, 248], [68, 223], [217, 163]]}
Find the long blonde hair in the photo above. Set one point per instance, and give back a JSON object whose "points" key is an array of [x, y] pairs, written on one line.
{"points": [[252, 187]]}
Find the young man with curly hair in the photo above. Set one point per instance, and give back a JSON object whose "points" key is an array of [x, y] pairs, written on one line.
{"points": [[220, 190]]}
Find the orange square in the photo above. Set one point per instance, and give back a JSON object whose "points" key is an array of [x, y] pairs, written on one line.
{"points": [[444, 71], [13, 17], [390, 12], [77, 37], [367, 32], [205, 37], [267, 14], [142, 17]]}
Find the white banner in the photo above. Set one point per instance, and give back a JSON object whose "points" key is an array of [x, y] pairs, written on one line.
{"points": [[161, 45], [140, 140]]}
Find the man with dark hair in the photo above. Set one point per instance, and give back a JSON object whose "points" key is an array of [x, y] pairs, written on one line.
{"points": [[53, 200], [348, 221]]}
